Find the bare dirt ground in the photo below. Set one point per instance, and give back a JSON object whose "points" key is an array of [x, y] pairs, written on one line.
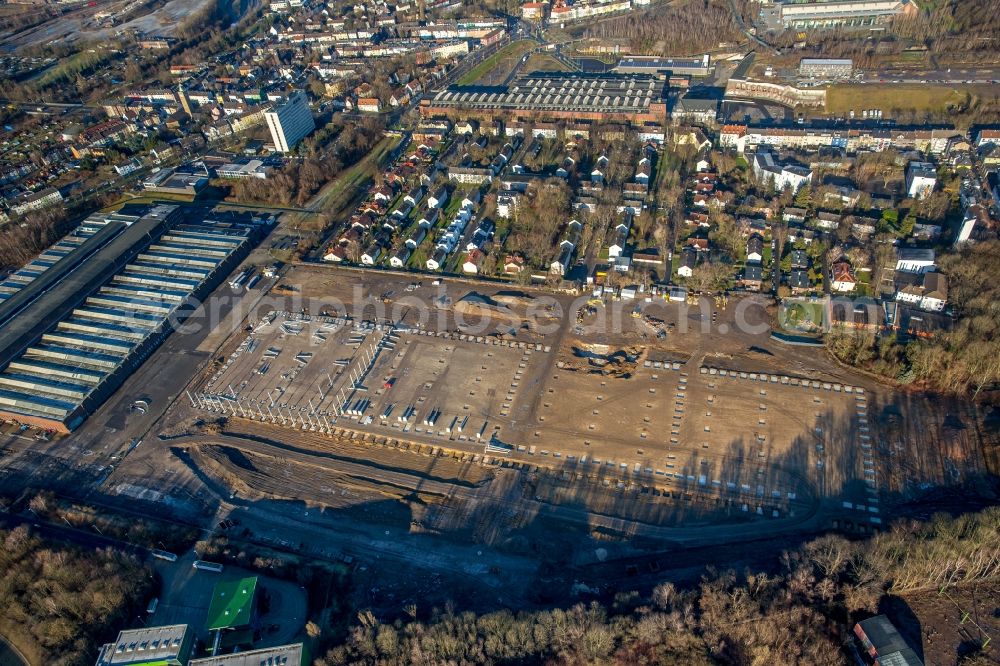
{"points": [[607, 441], [948, 627], [80, 24]]}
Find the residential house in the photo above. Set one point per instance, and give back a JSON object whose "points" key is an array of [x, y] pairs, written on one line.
{"points": [[566, 168], [689, 259], [767, 169], [752, 277], [561, 265], [697, 244], [799, 282], [642, 171], [437, 259], [827, 221], [371, 255], [842, 277], [369, 105], [928, 291], [791, 214], [415, 195], [473, 261], [507, 203], [618, 243], [755, 248], [914, 260], [921, 177], [399, 259], [417, 237], [335, 254], [513, 264]]}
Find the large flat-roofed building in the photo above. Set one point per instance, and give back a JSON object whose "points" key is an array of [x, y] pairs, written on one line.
{"points": [[290, 121], [77, 320], [826, 68], [837, 13], [149, 646], [283, 655], [554, 96], [188, 179], [233, 605], [244, 170], [664, 66]]}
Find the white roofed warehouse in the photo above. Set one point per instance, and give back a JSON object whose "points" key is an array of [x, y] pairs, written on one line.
{"points": [[78, 319]]}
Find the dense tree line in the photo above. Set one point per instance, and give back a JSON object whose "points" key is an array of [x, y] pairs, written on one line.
{"points": [[326, 157], [966, 28], [962, 360], [690, 26], [801, 615], [538, 221], [21, 241], [58, 603]]}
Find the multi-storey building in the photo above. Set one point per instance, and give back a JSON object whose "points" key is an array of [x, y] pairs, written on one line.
{"points": [[290, 121]]}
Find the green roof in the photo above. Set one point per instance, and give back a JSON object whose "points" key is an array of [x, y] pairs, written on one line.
{"points": [[232, 603]]}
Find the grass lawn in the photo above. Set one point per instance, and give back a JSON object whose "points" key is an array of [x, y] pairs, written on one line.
{"points": [[841, 99], [801, 315], [543, 62], [151, 197], [509, 54]]}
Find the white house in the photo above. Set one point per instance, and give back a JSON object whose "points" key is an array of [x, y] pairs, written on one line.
{"points": [[755, 248], [928, 291], [914, 260], [921, 177], [399, 259], [782, 176], [842, 278], [335, 254], [436, 259], [473, 261], [371, 255], [561, 265], [642, 171], [506, 203], [689, 259], [438, 199], [618, 243]]}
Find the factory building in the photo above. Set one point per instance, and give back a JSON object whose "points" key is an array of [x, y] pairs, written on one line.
{"points": [[663, 67], [77, 320], [826, 68], [552, 96], [837, 13], [149, 646]]}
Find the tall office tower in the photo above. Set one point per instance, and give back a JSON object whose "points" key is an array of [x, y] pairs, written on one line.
{"points": [[290, 121]]}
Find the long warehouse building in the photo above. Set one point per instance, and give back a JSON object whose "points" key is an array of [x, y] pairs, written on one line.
{"points": [[631, 99], [82, 316]]}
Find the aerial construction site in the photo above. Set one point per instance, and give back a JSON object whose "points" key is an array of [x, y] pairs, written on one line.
{"points": [[338, 413]]}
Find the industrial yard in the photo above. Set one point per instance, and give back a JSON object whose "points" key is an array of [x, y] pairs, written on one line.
{"points": [[341, 414], [704, 423]]}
